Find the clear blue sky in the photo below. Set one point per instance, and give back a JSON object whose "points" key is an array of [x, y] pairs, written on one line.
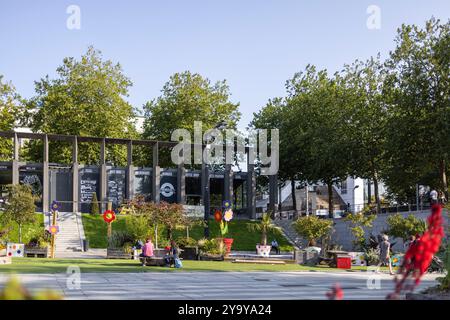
{"points": [[256, 45]]}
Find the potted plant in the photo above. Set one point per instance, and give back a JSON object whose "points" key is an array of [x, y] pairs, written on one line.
{"points": [[262, 249], [188, 248], [38, 245], [211, 250]]}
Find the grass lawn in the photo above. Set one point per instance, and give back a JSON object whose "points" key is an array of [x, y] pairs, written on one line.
{"points": [[28, 230], [39, 265], [244, 240]]}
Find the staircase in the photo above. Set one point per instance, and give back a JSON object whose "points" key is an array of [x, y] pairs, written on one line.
{"points": [[289, 232], [69, 238]]}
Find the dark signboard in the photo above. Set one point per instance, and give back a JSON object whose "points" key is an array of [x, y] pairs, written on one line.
{"points": [[143, 183], [116, 187], [168, 186], [32, 176], [89, 184]]}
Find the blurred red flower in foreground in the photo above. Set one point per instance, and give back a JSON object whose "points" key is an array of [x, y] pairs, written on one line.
{"points": [[336, 293], [419, 255]]}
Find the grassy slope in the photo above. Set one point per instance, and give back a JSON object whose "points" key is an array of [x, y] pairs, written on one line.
{"points": [[28, 230], [38, 265], [244, 240]]}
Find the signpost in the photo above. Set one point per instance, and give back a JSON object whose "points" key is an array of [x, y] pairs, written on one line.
{"points": [[109, 216], [54, 228]]}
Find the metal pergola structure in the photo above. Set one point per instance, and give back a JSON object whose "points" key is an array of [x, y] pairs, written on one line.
{"points": [[156, 173]]}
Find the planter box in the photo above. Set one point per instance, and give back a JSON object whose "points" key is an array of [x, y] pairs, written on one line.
{"points": [[36, 252], [189, 253], [309, 258], [263, 251], [5, 260], [211, 257], [117, 253]]}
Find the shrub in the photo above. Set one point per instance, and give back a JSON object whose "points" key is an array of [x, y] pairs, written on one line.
{"points": [[119, 239], [186, 242], [312, 228], [138, 226], [212, 246], [403, 228], [94, 204], [372, 257], [358, 222]]}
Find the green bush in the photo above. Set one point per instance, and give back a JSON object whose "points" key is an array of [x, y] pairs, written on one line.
{"points": [[183, 242], [372, 257], [399, 227], [138, 227], [94, 204], [211, 246], [312, 228], [120, 239], [359, 221]]}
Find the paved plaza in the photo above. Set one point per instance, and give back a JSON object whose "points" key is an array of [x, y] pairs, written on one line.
{"points": [[213, 285]]}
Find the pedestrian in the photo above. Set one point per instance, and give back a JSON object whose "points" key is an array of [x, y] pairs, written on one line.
{"points": [[442, 197], [147, 250], [433, 196], [276, 246], [409, 242], [385, 257]]}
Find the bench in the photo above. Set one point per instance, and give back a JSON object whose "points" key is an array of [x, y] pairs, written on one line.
{"points": [[153, 261]]}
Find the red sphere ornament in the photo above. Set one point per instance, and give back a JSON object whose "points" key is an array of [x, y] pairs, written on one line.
{"points": [[109, 216]]}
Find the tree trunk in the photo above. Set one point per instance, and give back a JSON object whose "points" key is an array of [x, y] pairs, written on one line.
{"points": [[20, 233], [377, 194], [369, 192], [443, 177], [264, 238], [294, 198], [330, 200]]}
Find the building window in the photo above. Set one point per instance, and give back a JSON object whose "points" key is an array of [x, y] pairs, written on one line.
{"points": [[344, 187]]}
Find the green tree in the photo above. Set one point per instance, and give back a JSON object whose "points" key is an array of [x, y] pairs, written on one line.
{"points": [[312, 228], [403, 228], [265, 226], [418, 131], [360, 221], [10, 107], [87, 99], [20, 207], [185, 98], [368, 117], [317, 123]]}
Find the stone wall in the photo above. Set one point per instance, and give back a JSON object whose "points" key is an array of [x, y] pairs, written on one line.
{"points": [[343, 236]]}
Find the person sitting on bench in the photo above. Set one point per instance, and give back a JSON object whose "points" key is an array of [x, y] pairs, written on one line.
{"points": [[147, 250]]}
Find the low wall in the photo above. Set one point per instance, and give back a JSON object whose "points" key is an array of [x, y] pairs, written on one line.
{"points": [[343, 236]]}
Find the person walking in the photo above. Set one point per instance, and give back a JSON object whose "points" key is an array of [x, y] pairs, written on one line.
{"points": [[433, 196], [385, 257]]}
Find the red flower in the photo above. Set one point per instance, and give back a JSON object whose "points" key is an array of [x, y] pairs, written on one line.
{"points": [[218, 215], [419, 255], [336, 293], [109, 216]]}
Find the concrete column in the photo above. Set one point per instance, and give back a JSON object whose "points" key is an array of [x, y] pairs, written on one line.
{"points": [[103, 176], [15, 162], [251, 188], [45, 178], [228, 184], [156, 174], [75, 171], [206, 197], [273, 192], [181, 184], [130, 171]]}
